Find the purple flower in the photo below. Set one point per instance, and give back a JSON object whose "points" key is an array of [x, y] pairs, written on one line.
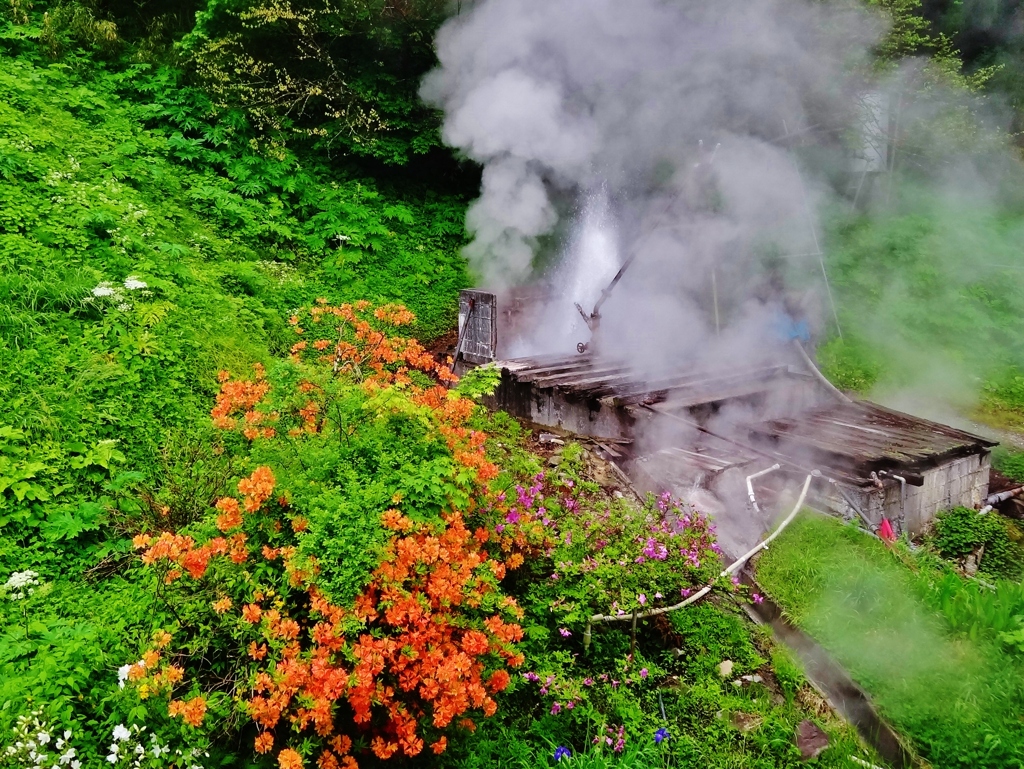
{"points": [[643, 672], [531, 677], [685, 592], [642, 599], [565, 633], [499, 528], [556, 709], [735, 580], [570, 705], [660, 735], [562, 752], [512, 517], [588, 681], [758, 598]]}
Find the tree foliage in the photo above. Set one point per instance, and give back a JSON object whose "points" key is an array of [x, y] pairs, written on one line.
{"points": [[345, 72]]}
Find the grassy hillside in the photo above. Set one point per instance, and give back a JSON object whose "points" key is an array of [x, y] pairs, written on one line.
{"points": [[146, 242]]}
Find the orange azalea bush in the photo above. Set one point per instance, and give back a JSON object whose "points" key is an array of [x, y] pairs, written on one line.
{"points": [[387, 660]]}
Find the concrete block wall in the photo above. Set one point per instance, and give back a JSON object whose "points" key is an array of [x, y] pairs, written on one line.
{"points": [[961, 482]]}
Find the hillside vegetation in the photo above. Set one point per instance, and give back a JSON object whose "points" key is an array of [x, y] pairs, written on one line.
{"points": [[246, 518]]}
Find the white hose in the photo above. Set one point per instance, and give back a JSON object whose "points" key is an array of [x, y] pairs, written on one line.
{"points": [[750, 485], [731, 569]]}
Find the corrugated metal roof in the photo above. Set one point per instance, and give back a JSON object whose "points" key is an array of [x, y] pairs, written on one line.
{"points": [[864, 437], [619, 384]]}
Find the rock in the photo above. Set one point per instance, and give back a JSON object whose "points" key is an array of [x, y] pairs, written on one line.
{"points": [[725, 668], [970, 565], [746, 722], [550, 438], [810, 740]]}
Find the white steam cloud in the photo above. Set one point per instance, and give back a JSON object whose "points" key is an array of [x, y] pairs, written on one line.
{"points": [[563, 101]]}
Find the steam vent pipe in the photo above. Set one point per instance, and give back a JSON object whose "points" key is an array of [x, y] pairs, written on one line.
{"points": [[750, 485]]}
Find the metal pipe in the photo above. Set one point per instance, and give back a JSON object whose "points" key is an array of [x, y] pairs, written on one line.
{"points": [[903, 496], [750, 485], [819, 376], [903, 501], [853, 505], [731, 569], [994, 499]]}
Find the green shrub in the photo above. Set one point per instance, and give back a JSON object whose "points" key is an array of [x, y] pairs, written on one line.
{"points": [[961, 531]]}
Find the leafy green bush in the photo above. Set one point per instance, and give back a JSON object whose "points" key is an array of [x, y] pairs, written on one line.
{"points": [[961, 531]]}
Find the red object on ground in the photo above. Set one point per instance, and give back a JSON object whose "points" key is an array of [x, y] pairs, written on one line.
{"points": [[885, 531]]}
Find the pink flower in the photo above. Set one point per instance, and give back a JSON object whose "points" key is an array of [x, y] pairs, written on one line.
{"points": [[758, 598], [642, 599], [643, 672], [565, 633], [556, 709]]}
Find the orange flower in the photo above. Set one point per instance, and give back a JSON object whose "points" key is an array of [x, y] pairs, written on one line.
{"points": [[299, 524], [289, 759], [439, 746], [383, 749], [342, 744], [140, 541], [257, 652], [192, 712], [264, 742], [251, 613], [161, 638], [500, 680], [222, 605], [231, 513]]}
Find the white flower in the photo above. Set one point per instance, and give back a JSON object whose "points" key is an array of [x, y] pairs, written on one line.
{"points": [[103, 289], [122, 675], [139, 750], [43, 738], [21, 579], [65, 759], [112, 758], [132, 283], [76, 764], [114, 748], [121, 733]]}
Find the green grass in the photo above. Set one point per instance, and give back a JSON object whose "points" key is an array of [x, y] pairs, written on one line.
{"points": [[958, 700]]}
